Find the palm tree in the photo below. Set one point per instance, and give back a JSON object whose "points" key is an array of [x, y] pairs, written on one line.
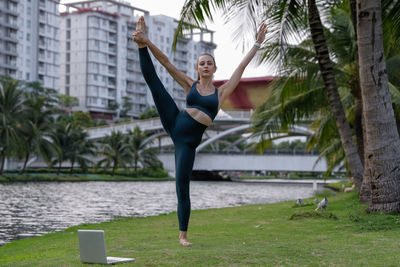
{"points": [[37, 127], [138, 143], [11, 108], [383, 144], [80, 147], [286, 18], [115, 151], [62, 137], [73, 144]]}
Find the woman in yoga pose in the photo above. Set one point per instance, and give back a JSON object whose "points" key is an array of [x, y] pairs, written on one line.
{"points": [[187, 126]]}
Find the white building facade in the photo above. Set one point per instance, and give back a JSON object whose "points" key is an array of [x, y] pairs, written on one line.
{"points": [[29, 40], [99, 62]]}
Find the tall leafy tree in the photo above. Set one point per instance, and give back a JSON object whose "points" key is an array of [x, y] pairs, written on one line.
{"points": [[383, 144], [115, 152], [138, 146], [126, 106], [11, 110], [37, 126], [80, 148], [73, 144]]}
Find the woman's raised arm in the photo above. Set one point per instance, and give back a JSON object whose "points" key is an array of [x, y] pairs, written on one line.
{"points": [[141, 39], [227, 88]]}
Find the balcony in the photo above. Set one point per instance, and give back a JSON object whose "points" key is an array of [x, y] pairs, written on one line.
{"points": [[42, 4], [42, 28], [112, 38], [41, 69], [42, 55], [12, 22], [11, 62], [113, 27], [112, 49], [112, 94], [11, 9], [42, 43], [112, 61], [111, 82], [112, 71], [11, 35]]}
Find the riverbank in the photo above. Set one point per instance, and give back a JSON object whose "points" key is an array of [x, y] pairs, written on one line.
{"points": [[53, 177], [261, 235]]}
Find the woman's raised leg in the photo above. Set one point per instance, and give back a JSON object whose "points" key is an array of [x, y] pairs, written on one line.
{"points": [[164, 103]]}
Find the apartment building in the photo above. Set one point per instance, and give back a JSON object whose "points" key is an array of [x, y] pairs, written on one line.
{"points": [[99, 62], [29, 40]]}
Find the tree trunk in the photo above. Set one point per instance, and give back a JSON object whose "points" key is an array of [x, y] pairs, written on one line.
{"points": [[356, 92], [136, 162], [114, 167], [365, 191], [72, 166], [3, 159], [358, 126], [59, 168], [382, 139], [328, 76], [25, 162]]}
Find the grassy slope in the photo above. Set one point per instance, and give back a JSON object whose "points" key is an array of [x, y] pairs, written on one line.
{"points": [[260, 235]]}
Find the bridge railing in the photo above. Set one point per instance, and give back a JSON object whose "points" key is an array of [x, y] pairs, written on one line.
{"points": [[99, 132], [266, 152]]}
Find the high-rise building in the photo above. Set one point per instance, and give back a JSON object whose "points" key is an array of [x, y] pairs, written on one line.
{"points": [[29, 40], [99, 61]]}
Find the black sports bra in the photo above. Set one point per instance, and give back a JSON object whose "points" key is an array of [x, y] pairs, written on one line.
{"points": [[208, 104]]}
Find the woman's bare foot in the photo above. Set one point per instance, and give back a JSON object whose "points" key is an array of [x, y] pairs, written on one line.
{"points": [[140, 32], [141, 25], [183, 239]]}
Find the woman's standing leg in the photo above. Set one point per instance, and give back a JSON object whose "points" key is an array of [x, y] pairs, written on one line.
{"points": [[184, 158]]}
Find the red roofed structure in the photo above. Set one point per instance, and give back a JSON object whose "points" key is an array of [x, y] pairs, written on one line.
{"points": [[249, 94]]}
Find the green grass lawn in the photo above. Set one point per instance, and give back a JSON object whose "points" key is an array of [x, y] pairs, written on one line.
{"points": [[280, 234]]}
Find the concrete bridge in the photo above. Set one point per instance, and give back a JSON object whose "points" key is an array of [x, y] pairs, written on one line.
{"points": [[249, 162]]}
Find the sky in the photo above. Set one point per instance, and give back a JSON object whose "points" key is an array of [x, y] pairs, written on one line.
{"points": [[227, 54]]}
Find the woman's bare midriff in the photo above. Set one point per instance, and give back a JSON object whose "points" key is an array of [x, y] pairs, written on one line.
{"points": [[199, 116]]}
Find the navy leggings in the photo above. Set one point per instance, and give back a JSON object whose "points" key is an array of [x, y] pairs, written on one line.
{"points": [[185, 132]]}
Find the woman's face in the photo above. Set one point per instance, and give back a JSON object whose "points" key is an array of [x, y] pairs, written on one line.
{"points": [[206, 66]]}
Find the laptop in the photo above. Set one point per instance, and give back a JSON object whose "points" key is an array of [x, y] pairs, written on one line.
{"points": [[92, 248]]}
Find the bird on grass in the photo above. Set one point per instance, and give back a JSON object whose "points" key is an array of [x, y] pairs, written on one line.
{"points": [[322, 205], [299, 202]]}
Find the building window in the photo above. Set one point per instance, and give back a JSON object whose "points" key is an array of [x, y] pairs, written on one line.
{"points": [[68, 45], [68, 23], [67, 90], [68, 57], [67, 68], [68, 34], [67, 79]]}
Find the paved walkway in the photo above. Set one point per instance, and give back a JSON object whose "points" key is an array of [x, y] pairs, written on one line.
{"points": [[288, 181]]}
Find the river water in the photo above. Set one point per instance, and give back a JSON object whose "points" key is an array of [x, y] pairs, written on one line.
{"points": [[33, 209]]}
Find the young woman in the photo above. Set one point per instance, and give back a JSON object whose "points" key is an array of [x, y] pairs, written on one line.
{"points": [[187, 126]]}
